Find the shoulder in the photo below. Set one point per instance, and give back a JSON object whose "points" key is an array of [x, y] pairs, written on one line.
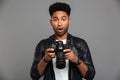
{"points": [[42, 43], [78, 39], [79, 42]]}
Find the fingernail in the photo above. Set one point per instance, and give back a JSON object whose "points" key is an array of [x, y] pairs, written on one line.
{"points": [[63, 50], [52, 49]]}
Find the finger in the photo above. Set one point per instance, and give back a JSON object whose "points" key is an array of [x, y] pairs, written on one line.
{"points": [[50, 50], [52, 55], [67, 55], [67, 50]]}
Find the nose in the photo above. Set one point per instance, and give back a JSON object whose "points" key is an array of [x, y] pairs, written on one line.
{"points": [[59, 23]]}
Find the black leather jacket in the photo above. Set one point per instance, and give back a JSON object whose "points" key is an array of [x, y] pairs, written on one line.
{"points": [[81, 49]]}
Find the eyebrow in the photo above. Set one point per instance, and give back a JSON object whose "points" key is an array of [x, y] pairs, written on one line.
{"points": [[62, 17]]}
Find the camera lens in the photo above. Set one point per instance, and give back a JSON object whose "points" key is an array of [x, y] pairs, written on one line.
{"points": [[60, 59]]}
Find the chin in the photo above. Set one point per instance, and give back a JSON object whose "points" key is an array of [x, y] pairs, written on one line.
{"points": [[60, 34]]}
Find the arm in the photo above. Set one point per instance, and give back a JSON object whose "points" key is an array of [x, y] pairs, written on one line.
{"points": [[87, 59], [49, 54], [34, 71], [41, 66], [40, 61], [83, 68], [86, 66], [70, 55]]}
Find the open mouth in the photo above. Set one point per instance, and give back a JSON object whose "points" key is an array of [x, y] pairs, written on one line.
{"points": [[60, 29]]}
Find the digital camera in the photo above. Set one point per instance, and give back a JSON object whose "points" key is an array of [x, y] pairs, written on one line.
{"points": [[60, 58]]}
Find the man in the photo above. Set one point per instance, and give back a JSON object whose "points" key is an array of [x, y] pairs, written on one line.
{"points": [[78, 62]]}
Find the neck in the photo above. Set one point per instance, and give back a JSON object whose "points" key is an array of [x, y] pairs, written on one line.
{"points": [[61, 37]]}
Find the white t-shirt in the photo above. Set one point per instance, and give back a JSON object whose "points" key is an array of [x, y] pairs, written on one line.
{"points": [[61, 74]]}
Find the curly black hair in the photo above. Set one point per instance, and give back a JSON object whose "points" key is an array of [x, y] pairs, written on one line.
{"points": [[59, 6]]}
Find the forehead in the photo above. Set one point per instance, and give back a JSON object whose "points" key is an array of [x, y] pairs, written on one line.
{"points": [[58, 14]]}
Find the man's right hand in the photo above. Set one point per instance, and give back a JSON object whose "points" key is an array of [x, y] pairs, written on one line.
{"points": [[49, 54]]}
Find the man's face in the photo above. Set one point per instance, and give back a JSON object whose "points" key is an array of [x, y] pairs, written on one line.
{"points": [[60, 22]]}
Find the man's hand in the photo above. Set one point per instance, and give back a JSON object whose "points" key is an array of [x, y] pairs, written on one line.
{"points": [[49, 54], [70, 55]]}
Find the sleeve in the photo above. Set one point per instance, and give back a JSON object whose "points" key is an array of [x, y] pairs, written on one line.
{"points": [[37, 56], [86, 57]]}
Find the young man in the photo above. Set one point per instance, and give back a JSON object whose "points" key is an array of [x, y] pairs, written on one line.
{"points": [[78, 63]]}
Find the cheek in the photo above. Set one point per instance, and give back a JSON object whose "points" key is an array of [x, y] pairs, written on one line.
{"points": [[54, 24], [66, 24]]}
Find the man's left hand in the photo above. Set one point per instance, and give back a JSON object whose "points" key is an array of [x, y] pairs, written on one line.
{"points": [[70, 55]]}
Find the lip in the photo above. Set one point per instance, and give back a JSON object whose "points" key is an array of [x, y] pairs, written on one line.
{"points": [[60, 30]]}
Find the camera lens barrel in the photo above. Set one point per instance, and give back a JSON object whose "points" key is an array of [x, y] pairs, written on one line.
{"points": [[60, 59]]}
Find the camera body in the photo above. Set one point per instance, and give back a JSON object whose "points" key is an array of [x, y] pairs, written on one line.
{"points": [[60, 55]]}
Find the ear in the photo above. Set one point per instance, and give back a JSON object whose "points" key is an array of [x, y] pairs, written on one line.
{"points": [[50, 21], [69, 20]]}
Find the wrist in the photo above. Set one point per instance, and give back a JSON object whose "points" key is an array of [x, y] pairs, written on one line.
{"points": [[44, 59], [78, 62]]}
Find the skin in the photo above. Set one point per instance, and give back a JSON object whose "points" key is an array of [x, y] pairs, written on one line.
{"points": [[60, 23]]}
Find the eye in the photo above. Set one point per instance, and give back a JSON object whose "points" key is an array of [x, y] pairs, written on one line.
{"points": [[64, 19], [54, 20]]}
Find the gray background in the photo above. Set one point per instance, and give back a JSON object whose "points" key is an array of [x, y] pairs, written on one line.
{"points": [[23, 23]]}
